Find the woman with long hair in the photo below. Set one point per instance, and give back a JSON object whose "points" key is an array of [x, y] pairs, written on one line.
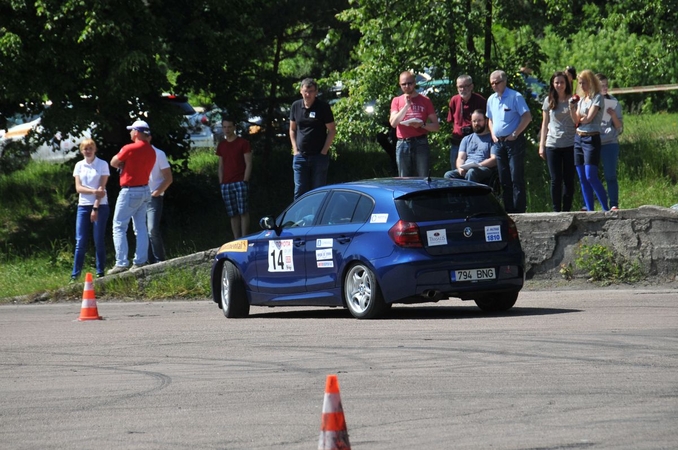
{"points": [[587, 113], [556, 144], [91, 175]]}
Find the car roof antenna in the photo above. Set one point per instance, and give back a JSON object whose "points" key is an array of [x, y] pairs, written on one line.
{"points": [[429, 176]]}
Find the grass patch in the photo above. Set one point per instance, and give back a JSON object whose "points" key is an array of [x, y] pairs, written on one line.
{"points": [[604, 265], [181, 282]]}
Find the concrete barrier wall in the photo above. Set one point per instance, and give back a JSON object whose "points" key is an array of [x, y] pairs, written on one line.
{"points": [[648, 234]]}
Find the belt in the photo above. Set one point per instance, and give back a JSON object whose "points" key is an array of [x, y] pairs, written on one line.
{"points": [[588, 133], [417, 138], [137, 186]]}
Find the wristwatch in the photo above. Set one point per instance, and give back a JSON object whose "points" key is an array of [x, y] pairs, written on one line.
{"points": [[95, 209], [514, 135]]}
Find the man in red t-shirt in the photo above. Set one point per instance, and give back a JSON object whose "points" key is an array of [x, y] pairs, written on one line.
{"points": [[413, 117], [462, 107], [235, 169], [135, 161]]}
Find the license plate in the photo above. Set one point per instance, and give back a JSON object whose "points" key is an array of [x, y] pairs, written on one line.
{"points": [[473, 274]]}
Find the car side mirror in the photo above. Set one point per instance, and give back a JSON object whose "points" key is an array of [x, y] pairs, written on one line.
{"points": [[268, 223]]}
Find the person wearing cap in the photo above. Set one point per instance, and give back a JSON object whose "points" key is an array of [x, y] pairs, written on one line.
{"points": [[135, 162]]}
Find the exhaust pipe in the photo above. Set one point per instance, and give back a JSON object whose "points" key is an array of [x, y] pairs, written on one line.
{"points": [[431, 293]]}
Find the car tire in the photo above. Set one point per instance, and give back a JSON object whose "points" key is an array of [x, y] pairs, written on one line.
{"points": [[497, 302], [234, 302], [362, 295]]}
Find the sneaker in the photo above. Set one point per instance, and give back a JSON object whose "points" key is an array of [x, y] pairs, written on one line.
{"points": [[117, 269], [73, 280], [136, 267], [101, 275], [583, 208], [614, 208]]}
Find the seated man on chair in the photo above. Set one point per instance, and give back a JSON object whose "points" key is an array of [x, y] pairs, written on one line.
{"points": [[476, 161]]}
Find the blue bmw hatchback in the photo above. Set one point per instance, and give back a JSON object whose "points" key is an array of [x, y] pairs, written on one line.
{"points": [[366, 245]]}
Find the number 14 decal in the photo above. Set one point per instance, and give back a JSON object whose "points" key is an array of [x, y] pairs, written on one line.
{"points": [[280, 256]]}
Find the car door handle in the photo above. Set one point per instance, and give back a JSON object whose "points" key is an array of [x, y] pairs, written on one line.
{"points": [[299, 243], [343, 239]]}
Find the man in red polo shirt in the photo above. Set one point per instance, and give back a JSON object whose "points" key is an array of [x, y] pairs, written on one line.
{"points": [[135, 161]]}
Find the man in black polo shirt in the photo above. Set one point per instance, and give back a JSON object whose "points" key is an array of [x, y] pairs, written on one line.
{"points": [[312, 131]]}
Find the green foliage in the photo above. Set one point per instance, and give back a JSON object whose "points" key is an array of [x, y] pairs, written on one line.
{"points": [[627, 58], [604, 265]]}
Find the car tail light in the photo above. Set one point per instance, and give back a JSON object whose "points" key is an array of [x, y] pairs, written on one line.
{"points": [[405, 234], [512, 230]]}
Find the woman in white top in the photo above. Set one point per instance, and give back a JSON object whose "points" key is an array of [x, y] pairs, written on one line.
{"points": [[91, 175]]}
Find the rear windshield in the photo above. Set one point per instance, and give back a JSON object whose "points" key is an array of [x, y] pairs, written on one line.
{"points": [[447, 204]]}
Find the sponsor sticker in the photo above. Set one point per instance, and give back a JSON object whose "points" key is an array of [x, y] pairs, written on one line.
{"points": [[379, 218], [280, 257], [234, 246], [493, 233], [323, 243], [325, 253], [325, 264], [436, 237]]}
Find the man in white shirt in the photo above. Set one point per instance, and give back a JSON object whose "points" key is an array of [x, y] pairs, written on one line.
{"points": [[159, 181]]}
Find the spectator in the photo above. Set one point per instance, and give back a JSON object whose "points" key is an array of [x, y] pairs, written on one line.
{"points": [[312, 130], [475, 149], [587, 113], [413, 117], [462, 107], [611, 126], [235, 170], [135, 161], [571, 73], [91, 175], [159, 181], [556, 144], [509, 116]]}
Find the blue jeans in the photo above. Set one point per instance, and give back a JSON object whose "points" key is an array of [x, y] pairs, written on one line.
{"points": [[454, 153], [156, 248], [83, 225], [511, 165], [587, 160], [609, 156], [412, 157], [310, 172], [132, 204], [476, 174]]}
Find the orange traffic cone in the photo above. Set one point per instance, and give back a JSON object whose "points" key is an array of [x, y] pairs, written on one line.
{"points": [[89, 310], [333, 433]]}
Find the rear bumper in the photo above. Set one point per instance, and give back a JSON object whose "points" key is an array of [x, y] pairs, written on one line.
{"points": [[427, 280]]}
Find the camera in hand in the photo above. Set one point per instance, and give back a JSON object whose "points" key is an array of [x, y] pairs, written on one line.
{"points": [[574, 99], [466, 130]]}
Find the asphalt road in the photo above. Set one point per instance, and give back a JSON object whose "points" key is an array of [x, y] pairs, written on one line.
{"points": [[562, 370]]}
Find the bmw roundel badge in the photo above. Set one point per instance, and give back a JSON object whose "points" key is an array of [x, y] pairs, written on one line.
{"points": [[468, 232]]}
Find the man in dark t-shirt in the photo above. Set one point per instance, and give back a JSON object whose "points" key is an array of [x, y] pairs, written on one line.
{"points": [[312, 131]]}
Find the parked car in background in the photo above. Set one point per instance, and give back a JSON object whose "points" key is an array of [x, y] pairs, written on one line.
{"points": [[366, 245], [61, 147], [197, 123]]}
